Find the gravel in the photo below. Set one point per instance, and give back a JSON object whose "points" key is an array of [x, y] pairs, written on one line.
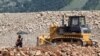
{"points": [[37, 23], [64, 49]]}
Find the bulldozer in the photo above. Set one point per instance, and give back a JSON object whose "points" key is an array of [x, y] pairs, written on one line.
{"points": [[75, 31]]}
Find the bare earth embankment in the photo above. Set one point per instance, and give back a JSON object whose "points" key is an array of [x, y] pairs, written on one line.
{"points": [[37, 23]]}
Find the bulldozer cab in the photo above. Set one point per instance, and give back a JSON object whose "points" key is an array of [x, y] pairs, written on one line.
{"points": [[76, 24], [76, 21]]}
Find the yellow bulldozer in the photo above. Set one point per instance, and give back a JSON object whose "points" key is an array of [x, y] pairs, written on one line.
{"points": [[76, 31]]}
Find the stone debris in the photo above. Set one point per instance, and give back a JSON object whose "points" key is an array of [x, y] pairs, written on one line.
{"points": [[64, 49], [37, 23]]}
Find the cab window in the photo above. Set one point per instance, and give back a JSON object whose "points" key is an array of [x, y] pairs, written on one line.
{"points": [[74, 22], [82, 21]]}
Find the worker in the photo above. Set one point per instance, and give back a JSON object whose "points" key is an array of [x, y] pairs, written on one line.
{"points": [[19, 41]]}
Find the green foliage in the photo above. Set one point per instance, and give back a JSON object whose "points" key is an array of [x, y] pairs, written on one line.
{"points": [[44, 5], [92, 5], [32, 5]]}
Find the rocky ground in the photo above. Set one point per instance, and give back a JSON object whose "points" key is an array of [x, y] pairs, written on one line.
{"points": [[37, 23], [64, 49]]}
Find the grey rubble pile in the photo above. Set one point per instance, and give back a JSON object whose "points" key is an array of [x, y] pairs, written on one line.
{"points": [[64, 49]]}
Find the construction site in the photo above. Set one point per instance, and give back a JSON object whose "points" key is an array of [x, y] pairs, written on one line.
{"points": [[33, 25]]}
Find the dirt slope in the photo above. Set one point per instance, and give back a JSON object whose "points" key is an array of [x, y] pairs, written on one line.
{"points": [[37, 23], [64, 49]]}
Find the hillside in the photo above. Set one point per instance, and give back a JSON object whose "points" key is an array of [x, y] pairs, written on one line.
{"points": [[47, 5], [64, 49], [38, 23]]}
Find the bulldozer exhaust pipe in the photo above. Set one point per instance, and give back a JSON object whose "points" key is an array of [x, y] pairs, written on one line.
{"points": [[63, 20]]}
